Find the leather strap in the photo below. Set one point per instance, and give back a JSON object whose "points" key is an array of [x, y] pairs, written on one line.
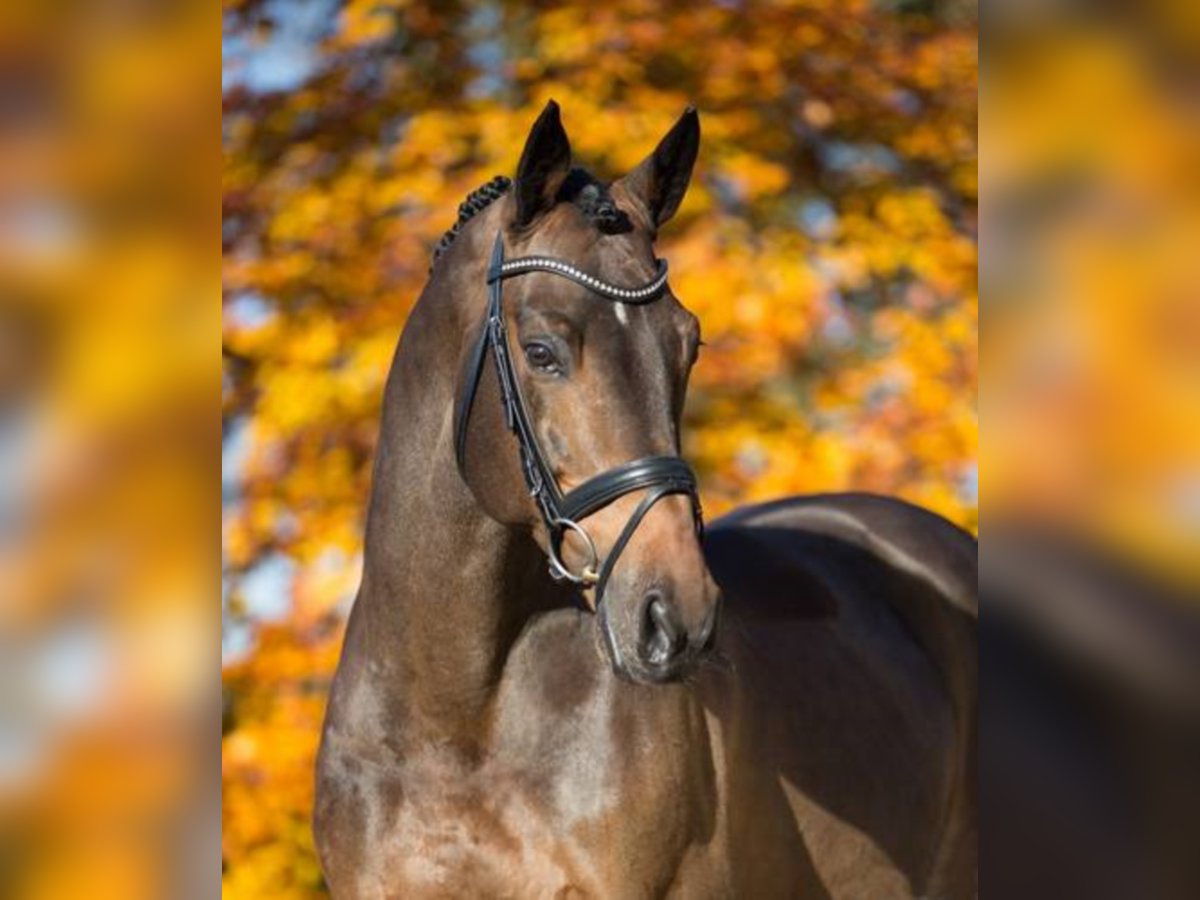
{"points": [[596, 493], [631, 526]]}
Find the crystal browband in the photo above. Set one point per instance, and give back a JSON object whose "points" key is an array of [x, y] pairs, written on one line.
{"points": [[603, 288]]}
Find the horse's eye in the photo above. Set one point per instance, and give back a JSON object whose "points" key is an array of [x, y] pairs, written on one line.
{"points": [[541, 357]]}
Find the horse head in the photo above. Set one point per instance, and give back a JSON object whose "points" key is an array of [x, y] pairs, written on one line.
{"points": [[592, 353]]}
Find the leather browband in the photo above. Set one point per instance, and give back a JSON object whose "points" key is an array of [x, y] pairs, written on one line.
{"points": [[661, 476]]}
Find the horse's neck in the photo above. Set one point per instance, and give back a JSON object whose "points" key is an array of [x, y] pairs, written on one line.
{"points": [[445, 589]]}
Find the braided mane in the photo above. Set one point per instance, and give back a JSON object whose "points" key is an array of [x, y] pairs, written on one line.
{"points": [[477, 201], [580, 188]]}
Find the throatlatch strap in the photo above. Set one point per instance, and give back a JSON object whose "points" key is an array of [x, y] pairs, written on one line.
{"points": [[466, 397]]}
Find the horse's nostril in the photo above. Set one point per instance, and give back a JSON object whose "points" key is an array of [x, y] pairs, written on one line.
{"points": [[664, 637]]}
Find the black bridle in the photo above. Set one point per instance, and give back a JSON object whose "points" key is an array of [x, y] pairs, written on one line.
{"points": [[659, 476]]}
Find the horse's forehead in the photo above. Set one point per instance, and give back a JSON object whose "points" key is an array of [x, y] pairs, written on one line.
{"points": [[563, 231], [567, 234]]}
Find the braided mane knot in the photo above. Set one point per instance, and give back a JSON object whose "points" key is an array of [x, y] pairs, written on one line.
{"points": [[477, 201]]}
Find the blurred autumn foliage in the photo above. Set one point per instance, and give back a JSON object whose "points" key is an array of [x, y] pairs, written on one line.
{"points": [[828, 246]]}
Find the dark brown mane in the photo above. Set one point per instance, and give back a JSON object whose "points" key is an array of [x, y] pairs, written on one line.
{"points": [[477, 201]]}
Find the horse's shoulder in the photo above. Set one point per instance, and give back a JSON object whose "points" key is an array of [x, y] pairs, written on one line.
{"points": [[803, 557], [763, 551], [856, 558]]}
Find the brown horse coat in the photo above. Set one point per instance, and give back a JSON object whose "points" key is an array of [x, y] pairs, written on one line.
{"points": [[478, 742]]}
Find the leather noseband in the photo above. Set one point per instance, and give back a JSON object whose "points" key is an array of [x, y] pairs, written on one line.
{"points": [[659, 476]]}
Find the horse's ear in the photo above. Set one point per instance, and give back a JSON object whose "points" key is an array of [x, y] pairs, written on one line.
{"points": [[661, 180], [544, 165]]}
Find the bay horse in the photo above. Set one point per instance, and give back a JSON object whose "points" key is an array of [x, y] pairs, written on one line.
{"points": [[555, 682]]}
